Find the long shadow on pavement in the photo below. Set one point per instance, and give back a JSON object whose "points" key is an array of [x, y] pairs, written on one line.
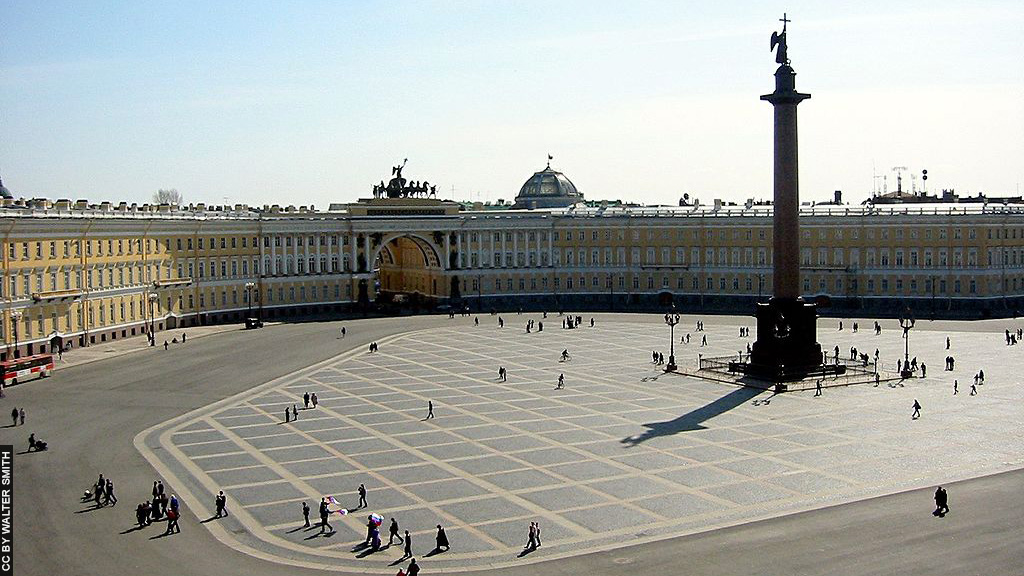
{"points": [[693, 420]]}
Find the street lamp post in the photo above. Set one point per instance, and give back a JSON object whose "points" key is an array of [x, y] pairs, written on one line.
{"points": [[906, 324], [152, 318], [671, 319], [248, 298], [15, 316]]}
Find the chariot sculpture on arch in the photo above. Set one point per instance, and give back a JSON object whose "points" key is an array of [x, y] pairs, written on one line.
{"points": [[399, 187]]}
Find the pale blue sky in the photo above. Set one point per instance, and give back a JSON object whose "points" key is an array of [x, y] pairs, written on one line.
{"points": [[312, 102]]}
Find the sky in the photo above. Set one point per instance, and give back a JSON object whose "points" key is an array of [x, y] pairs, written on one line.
{"points": [[305, 102]]}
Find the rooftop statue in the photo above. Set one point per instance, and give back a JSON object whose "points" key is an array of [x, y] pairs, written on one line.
{"points": [[780, 40]]}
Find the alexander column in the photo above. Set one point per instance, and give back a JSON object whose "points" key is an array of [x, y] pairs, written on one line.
{"points": [[786, 346]]}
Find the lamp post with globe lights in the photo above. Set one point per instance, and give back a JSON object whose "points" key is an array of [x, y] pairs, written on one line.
{"points": [[671, 319], [152, 318], [906, 323]]}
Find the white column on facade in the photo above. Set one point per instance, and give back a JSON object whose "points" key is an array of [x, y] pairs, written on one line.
{"points": [[537, 260], [458, 249], [515, 249], [504, 253], [490, 236], [551, 251], [316, 242], [262, 257], [479, 250], [446, 265], [273, 255], [352, 252]]}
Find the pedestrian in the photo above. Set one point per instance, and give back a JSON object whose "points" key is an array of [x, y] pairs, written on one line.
{"points": [[941, 501], [537, 526], [531, 539], [324, 512], [974, 390], [413, 569], [14, 416], [305, 400], [174, 502], [21, 415], [924, 370], [704, 340], [430, 409], [182, 337], [817, 388], [165, 348], [108, 494], [295, 412], [981, 378], [947, 342], [408, 546], [287, 414], [955, 386], [476, 321], [314, 400], [442, 539], [362, 496], [917, 410], [98, 492], [393, 533], [172, 522], [305, 515], [561, 382], [222, 504]]}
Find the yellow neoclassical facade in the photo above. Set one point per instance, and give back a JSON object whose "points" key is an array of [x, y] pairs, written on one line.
{"points": [[76, 274]]}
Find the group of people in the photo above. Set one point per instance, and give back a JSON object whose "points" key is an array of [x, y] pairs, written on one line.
{"points": [[102, 493], [160, 507]]}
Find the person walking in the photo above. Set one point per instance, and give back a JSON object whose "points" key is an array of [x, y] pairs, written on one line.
{"points": [[537, 534], [305, 400], [305, 515], [221, 503], [314, 400], [561, 382], [430, 409], [941, 501], [393, 533], [21, 415], [14, 416], [287, 414], [442, 540], [413, 569], [362, 496], [817, 388], [295, 412], [108, 494], [531, 539], [974, 390], [324, 512], [172, 522], [408, 546], [917, 410], [956, 385]]}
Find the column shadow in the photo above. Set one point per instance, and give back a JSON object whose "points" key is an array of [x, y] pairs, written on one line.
{"points": [[693, 420]]}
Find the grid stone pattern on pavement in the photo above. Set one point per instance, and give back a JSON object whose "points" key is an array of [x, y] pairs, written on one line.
{"points": [[624, 452]]}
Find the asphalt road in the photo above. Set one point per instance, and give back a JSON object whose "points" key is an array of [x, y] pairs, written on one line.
{"points": [[91, 413]]}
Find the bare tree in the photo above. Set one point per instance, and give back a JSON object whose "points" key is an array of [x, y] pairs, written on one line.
{"points": [[169, 196]]}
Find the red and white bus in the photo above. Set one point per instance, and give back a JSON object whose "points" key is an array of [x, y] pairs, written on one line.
{"points": [[21, 369]]}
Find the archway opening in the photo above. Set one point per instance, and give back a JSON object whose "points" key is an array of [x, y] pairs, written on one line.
{"points": [[408, 273]]}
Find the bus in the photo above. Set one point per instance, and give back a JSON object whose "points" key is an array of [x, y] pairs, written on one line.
{"points": [[40, 365]]}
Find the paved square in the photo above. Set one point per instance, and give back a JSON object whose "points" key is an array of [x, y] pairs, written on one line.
{"points": [[624, 452]]}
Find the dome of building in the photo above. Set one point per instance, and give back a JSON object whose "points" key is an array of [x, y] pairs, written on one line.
{"points": [[547, 189]]}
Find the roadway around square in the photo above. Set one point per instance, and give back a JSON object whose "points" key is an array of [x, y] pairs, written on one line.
{"points": [[623, 454]]}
